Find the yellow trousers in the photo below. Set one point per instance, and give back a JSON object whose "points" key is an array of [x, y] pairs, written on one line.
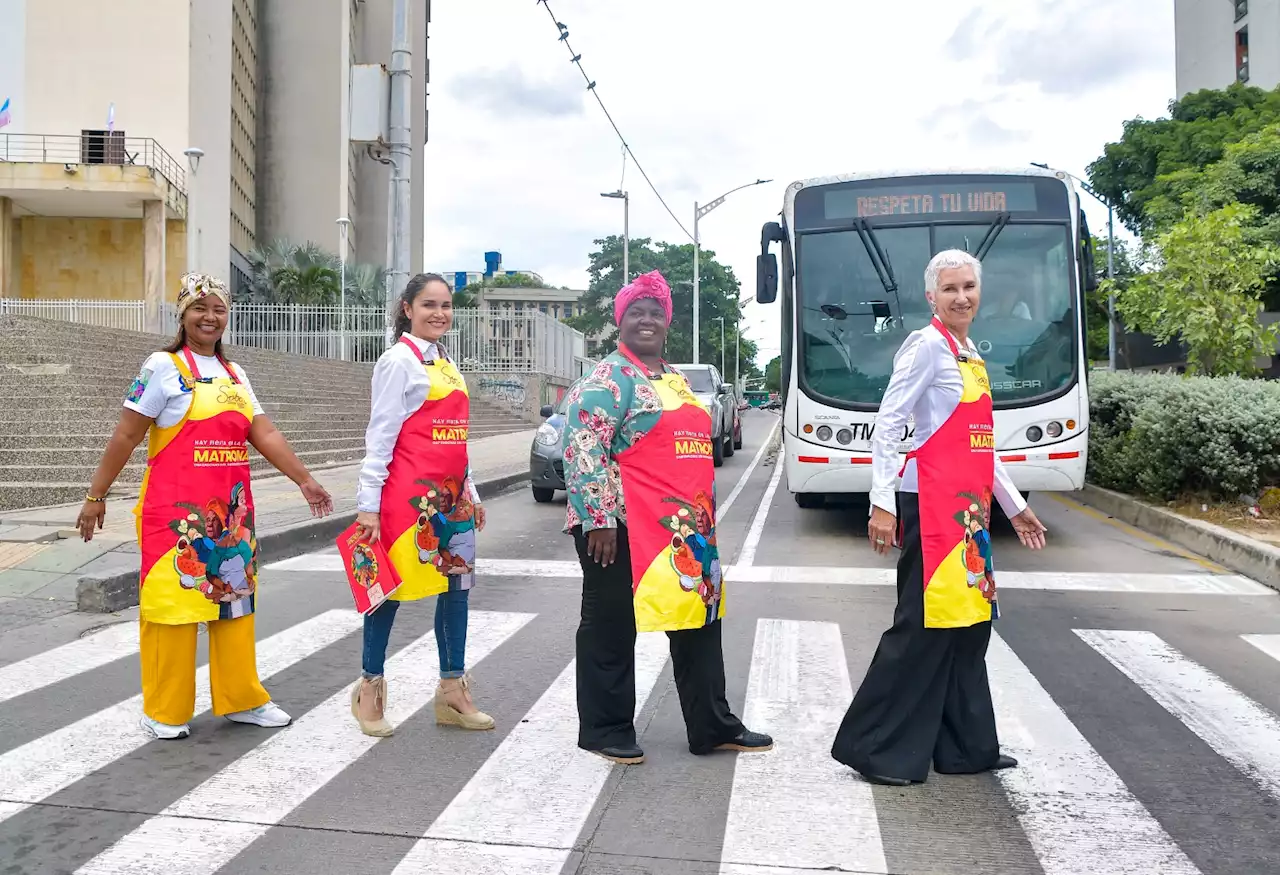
{"points": [[168, 654]]}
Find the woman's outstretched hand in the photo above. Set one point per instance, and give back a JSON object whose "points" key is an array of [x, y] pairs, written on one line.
{"points": [[320, 501], [1030, 530]]}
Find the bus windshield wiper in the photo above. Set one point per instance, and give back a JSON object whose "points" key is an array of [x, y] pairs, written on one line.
{"points": [[879, 261], [993, 231]]}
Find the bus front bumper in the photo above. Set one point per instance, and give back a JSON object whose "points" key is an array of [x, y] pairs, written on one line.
{"points": [[1056, 468]]}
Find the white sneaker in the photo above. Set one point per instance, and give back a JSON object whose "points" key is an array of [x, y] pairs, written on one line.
{"points": [[164, 730], [269, 715]]}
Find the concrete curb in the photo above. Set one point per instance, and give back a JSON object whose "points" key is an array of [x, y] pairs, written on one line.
{"points": [[109, 592], [1251, 558]]}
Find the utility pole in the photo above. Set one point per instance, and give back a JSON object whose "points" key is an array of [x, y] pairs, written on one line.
{"points": [[400, 148], [626, 230]]}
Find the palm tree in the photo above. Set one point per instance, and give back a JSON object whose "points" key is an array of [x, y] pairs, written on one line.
{"points": [[288, 273]]}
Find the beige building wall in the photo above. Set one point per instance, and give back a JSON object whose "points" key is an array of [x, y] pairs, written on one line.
{"points": [[244, 124], [78, 61], [90, 259]]}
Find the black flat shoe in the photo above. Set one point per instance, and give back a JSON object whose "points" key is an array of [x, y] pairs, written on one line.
{"points": [[626, 755], [748, 742], [1002, 762], [889, 782]]}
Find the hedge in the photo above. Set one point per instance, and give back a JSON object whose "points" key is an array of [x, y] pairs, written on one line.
{"points": [[1167, 436]]}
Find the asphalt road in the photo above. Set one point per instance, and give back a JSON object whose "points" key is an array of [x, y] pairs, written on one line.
{"points": [[1136, 684]]}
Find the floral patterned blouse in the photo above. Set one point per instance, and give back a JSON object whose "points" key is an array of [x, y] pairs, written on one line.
{"points": [[610, 409]]}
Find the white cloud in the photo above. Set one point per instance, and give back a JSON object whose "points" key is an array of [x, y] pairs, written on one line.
{"points": [[712, 95]]}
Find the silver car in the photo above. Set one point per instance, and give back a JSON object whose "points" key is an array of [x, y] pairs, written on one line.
{"points": [[546, 460]]}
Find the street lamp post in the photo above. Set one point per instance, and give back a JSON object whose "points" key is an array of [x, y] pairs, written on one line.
{"points": [[193, 160], [626, 231], [1111, 263], [344, 225], [698, 213], [721, 321]]}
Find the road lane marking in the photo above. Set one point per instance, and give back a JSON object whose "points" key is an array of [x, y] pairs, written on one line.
{"points": [[1078, 815], [723, 510], [1065, 581], [1158, 543], [797, 691], [36, 770], [748, 554], [535, 791], [1268, 644], [53, 666], [1238, 728], [206, 829]]}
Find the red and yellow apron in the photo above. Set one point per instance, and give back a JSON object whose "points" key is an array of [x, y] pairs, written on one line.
{"points": [[426, 515], [669, 485], [195, 513], [956, 470]]}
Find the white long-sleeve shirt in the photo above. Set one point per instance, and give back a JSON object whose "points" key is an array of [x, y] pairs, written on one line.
{"points": [[926, 384], [400, 386]]}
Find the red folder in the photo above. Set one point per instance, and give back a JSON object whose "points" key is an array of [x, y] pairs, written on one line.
{"points": [[370, 573]]}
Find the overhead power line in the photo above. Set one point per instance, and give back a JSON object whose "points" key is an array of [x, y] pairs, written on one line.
{"points": [[576, 59]]}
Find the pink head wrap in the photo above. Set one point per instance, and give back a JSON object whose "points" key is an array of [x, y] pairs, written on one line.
{"points": [[649, 285]]}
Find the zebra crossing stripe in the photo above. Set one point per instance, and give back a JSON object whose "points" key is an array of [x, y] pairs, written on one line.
{"points": [[1240, 730], [45, 669], [35, 771], [1268, 644], [522, 811], [259, 790], [797, 691], [1078, 815]]}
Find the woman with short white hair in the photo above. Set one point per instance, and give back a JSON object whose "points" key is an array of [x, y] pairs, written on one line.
{"points": [[926, 696]]}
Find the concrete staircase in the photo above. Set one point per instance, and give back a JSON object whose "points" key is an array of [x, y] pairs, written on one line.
{"points": [[63, 384]]}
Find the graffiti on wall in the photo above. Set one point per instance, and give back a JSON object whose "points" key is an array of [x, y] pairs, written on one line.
{"points": [[504, 389]]}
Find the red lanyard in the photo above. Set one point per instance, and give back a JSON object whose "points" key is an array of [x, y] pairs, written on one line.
{"points": [[195, 372]]}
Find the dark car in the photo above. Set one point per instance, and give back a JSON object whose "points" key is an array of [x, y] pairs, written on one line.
{"points": [[546, 460]]}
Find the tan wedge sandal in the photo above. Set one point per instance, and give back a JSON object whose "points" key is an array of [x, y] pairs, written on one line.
{"points": [[368, 706], [447, 715]]}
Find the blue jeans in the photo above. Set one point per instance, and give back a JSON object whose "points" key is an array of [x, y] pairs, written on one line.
{"points": [[451, 634]]}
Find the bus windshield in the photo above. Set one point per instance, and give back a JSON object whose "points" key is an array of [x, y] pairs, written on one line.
{"points": [[851, 326]]}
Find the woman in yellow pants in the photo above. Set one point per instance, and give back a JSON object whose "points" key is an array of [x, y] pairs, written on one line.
{"points": [[195, 516]]}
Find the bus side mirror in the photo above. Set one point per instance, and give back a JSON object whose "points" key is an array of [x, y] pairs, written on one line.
{"points": [[1087, 265], [767, 264], [766, 278]]}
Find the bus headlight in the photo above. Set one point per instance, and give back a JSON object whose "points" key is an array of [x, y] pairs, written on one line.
{"points": [[824, 432], [1054, 429], [844, 436], [1034, 434]]}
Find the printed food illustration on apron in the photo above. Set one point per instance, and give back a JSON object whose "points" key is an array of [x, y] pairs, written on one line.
{"points": [[955, 468], [195, 512], [427, 517], [668, 480]]}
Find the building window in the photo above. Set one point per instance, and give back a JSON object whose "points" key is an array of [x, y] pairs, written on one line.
{"points": [[1242, 9], [1242, 54], [103, 147]]}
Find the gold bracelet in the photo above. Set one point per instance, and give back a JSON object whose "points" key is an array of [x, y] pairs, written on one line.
{"points": [[88, 497]]}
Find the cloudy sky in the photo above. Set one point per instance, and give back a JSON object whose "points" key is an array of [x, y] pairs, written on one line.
{"points": [[714, 93]]}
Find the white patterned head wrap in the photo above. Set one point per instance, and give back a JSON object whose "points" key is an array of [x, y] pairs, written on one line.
{"points": [[197, 286]]}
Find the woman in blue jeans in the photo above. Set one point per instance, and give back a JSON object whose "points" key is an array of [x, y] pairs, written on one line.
{"points": [[417, 495]]}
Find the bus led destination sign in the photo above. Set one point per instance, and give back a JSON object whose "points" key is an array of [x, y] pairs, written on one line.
{"points": [[849, 203]]}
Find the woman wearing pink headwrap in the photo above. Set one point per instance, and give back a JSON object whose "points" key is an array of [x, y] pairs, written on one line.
{"points": [[649, 563]]}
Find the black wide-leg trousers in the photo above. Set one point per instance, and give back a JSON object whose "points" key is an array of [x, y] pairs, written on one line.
{"points": [[926, 695], [606, 663]]}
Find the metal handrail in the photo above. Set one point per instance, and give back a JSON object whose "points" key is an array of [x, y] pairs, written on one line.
{"points": [[106, 149]]}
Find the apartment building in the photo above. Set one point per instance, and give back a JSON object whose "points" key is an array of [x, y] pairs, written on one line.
{"points": [[1218, 42], [97, 194]]}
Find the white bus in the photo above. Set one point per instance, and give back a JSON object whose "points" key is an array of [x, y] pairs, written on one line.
{"points": [[854, 249]]}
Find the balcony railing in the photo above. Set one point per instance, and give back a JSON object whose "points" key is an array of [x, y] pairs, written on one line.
{"points": [[92, 148]]}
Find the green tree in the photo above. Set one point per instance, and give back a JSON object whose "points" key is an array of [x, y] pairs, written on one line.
{"points": [[719, 293], [308, 274], [1152, 158], [773, 375], [1205, 288]]}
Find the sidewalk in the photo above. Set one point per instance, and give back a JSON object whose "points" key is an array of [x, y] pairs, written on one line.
{"points": [[43, 560]]}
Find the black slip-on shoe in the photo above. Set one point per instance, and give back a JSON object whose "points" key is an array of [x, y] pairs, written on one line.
{"points": [[626, 755], [748, 742]]}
